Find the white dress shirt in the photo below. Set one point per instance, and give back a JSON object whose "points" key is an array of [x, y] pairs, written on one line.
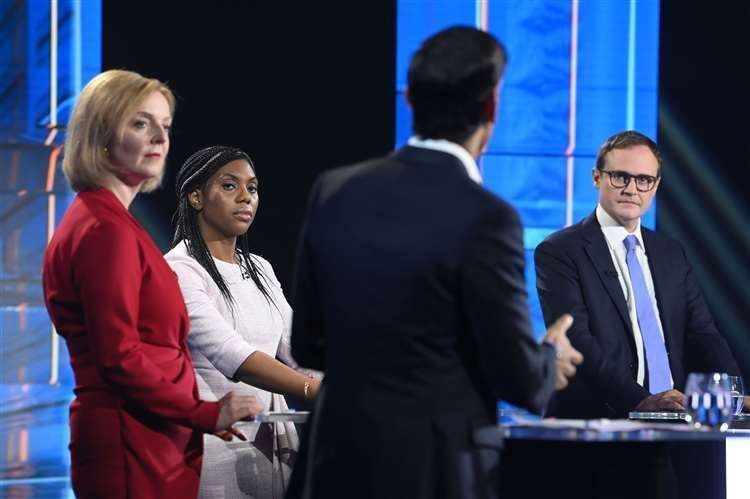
{"points": [[451, 148], [615, 234]]}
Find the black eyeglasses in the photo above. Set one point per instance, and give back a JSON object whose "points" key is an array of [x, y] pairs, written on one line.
{"points": [[620, 180]]}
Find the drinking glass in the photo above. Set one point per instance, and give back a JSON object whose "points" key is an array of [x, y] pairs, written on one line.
{"points": [[709, 401], [737, 390]]}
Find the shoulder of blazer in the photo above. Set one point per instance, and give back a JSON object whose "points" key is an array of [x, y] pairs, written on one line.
{"points": [[585, 231], [661, 243], [331, 181]]}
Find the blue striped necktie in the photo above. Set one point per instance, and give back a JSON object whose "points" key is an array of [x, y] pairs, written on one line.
{"points": [[656, 352]]}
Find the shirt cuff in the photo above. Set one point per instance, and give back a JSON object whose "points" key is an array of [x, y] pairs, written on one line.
{"points": [[234, 353]]}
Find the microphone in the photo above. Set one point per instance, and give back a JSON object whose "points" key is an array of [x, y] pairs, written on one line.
{"points": [[610, 273]]}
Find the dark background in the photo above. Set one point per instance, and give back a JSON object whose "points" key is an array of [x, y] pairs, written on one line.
{"points": [[307, 86], [300, 86]]}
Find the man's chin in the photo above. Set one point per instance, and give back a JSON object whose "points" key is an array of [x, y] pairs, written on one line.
{"points": [[627, 217]]}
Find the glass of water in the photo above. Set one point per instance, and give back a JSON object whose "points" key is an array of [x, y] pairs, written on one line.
{"points": [[737, 390], [709, 401]]}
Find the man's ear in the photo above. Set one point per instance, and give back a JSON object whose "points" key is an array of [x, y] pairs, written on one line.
{"points": [[596, 176], [407, 96], [196, 200]]}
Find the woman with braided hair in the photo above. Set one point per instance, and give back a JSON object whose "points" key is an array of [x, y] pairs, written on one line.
{"points": [[239, 320]]}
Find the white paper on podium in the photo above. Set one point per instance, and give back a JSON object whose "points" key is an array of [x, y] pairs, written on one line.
{"points": [[601, 425]]}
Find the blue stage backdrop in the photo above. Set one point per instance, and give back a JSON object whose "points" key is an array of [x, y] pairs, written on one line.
{"points": [[578, 72], [35, 377]]}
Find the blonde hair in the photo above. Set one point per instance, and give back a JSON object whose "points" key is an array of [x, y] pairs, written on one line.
{"points": [[105, 105]]}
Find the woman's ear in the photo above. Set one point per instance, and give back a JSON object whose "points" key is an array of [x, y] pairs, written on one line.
{"points": [[195, 199]]}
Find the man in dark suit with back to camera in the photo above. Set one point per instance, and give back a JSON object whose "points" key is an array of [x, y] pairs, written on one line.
{"points": [[410, 296], [639, 317]]}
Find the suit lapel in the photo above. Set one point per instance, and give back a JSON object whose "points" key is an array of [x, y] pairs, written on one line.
{"points": [[598, 251]]}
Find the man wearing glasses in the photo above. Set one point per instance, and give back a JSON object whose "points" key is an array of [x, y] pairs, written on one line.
{"points": [[640, 320]]}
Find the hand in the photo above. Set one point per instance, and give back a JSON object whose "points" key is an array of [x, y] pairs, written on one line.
{"points": [[746, 405], [229, 434], [670, 401], [567, 356], [235, 407]]}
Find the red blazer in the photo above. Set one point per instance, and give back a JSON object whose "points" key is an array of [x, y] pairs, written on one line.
{"points": [[136, 422]]}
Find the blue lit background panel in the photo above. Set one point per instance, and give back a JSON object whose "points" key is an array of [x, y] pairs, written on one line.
{"points": [[534, 185], [25, 63], [585, 196], [35, 377], [617, 70], [418, 19], [534, 103], [578, 72]]}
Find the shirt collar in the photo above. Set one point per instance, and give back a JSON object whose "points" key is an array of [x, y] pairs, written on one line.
{"points": [[614, 232], [451, 148]]}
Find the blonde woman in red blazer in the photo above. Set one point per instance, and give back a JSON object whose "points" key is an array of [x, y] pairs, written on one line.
{"points": [[136, 422]]}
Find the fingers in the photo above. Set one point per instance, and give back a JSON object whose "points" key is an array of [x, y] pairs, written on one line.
{"points": [[670, 405], [243, 406], [237, 433], [576, 357], [224, 435], [235, 407], [229, 434], [558, 329], [567, 369], [671, 400]]}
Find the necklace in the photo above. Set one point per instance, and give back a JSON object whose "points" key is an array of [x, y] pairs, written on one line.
{"points": [[244, 270]]}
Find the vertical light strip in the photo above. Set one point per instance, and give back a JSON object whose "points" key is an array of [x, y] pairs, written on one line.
{"points": [[53, 64], [76, 48], [10, 448], [54, 357], [630, 97], [481, 14], [23, 446], [570, 150], [49, 184], [54, 361]]}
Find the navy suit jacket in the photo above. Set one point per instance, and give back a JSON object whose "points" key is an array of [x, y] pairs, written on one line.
{"points": [[410, 296], [576, 274]]}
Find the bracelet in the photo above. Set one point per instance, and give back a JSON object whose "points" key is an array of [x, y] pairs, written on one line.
{"points": [[307, 389]]}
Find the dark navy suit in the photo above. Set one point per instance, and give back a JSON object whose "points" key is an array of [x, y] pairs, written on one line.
{"points": [[410, 296], [575, 274]]}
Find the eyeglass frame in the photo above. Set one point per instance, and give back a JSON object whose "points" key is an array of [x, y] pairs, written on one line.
{"points": [[649, 178]]}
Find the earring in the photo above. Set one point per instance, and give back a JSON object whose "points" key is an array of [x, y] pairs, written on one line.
{"points": [[195, 202], [106, 152]]}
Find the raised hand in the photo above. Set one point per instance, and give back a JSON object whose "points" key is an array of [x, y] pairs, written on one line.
{"points": [[567, 356]]}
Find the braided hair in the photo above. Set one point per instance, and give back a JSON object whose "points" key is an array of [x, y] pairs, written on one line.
{"points": [[193, 175]]}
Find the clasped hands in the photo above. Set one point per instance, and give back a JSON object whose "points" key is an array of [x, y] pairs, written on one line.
{"points": [[668, 401]]}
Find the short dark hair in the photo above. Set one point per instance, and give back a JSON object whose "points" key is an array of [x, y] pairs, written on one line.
{"points": [[451, 77], [626, 140]]}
